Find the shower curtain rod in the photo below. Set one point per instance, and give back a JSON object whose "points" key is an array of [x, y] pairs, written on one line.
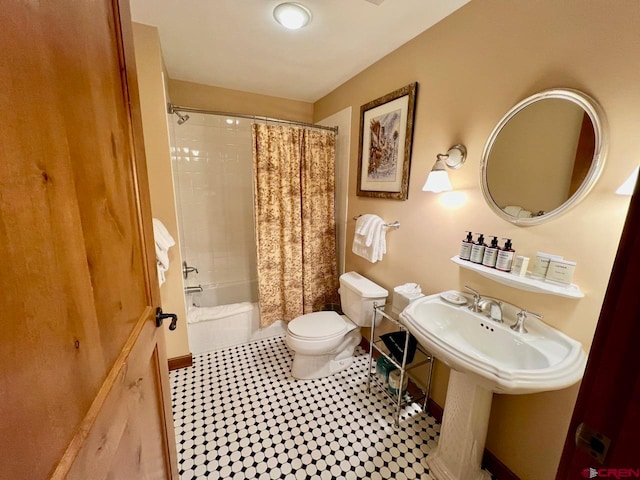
{"points": [[173, 108]]}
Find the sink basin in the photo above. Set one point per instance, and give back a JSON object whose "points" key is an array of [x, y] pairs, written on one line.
{"points": [[485, 357], [505, 361]]}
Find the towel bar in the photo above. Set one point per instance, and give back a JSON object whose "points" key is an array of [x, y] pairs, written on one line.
{"points": [[395, 224]]}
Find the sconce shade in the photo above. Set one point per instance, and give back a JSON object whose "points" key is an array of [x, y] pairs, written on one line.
{"points": [[438, 179], [629, 184]]}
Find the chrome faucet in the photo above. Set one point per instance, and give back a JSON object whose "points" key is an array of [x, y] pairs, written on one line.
{"points": [[520, 319], [476, 300], [186, 270], [495, 309]]}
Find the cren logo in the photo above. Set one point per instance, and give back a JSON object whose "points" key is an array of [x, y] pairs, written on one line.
{"points": [[611, 473]]}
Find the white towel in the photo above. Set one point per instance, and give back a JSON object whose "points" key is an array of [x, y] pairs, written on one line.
{"points": [[164, 241], [370, 240], [516, 211]]}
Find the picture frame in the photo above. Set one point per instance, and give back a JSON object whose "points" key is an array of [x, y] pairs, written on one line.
{"points": [[386, 138]]}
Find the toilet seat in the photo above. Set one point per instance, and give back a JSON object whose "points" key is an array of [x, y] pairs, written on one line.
{"points": [[317, 326]]}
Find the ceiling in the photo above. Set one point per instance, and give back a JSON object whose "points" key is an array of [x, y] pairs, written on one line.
{"points": [[237, 44]]}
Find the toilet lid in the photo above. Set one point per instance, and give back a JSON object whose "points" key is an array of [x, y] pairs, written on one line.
{"points": [[317, 325]]}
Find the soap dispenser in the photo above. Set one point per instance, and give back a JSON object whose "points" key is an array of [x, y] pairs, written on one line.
{"points": [[491, 254], [505, 257], [465, 248], [477, 251]]}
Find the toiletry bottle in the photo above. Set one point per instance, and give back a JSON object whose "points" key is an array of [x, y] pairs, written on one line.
{"points": [[505, 257], [491, 254], [477, 251], [465, 248]]}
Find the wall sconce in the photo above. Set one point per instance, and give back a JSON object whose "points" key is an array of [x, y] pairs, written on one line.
{"points": [[438, 178], [629, 184]]}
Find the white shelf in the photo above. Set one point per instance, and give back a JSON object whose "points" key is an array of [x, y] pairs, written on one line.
{"points": [[527, 283]]}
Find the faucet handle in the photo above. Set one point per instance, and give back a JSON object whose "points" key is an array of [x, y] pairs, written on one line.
{"points": [[536, 315], [186, 269], [476, 299], [475, 292], [521, 317]]}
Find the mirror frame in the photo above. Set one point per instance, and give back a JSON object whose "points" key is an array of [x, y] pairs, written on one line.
{"points": [[599, 122]]}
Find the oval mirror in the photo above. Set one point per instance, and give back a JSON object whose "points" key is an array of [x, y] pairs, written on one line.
{"points": [[544, 156]]}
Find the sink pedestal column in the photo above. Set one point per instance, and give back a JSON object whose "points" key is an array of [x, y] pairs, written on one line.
{"points": [[463, 432]]}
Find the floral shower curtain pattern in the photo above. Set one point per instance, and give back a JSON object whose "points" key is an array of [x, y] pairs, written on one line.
{"points": [[294, 182]]}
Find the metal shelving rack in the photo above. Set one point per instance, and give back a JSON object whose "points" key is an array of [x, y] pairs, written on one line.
{"points": [[421, 357]]}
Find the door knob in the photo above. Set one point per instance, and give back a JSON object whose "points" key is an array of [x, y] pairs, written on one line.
{"points": [[160, 316]]}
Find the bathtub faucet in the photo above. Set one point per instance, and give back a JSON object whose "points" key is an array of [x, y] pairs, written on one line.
{"points": [[197, 289]]}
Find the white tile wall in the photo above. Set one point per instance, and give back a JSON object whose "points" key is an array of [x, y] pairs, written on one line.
{"points": [[212, 162]]}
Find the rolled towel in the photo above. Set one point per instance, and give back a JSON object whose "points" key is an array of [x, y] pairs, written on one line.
{"points": [[516, 211], [512, 210]]}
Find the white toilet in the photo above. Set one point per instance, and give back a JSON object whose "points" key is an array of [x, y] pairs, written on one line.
{"points": [[324, 342]]}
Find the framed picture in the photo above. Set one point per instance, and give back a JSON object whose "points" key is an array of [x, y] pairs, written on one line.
{"points": [[386, 134]]}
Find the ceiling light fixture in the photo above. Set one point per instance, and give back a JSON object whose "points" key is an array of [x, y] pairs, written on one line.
{"points": [[292, 15]]}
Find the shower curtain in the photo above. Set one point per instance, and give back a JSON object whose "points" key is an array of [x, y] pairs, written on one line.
{"points": [[294, 182]]}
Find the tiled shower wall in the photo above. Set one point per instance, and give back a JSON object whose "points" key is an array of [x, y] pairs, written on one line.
{"points": [[212, 167]]}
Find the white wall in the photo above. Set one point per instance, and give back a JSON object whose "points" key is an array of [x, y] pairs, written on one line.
{"points": [[342, 120]]}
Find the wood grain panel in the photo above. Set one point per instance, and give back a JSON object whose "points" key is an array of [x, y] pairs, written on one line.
{"points": [[47, 294], [115, 438], [83, 376], [97, 125]]}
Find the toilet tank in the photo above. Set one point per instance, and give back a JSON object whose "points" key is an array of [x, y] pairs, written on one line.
{"points": [[357, 296]]}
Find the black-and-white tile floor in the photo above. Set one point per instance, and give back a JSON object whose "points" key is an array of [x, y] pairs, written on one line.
{"points": [[240, 415]]}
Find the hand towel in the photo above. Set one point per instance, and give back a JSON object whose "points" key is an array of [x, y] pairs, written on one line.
{"points": [[163, 242], [369, 240]]}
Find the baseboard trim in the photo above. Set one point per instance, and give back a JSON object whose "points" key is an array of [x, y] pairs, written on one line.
{"points": [[489, 461], [180, 362], [435, 410], [496, 467]]}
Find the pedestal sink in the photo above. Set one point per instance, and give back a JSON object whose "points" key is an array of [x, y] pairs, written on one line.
{"points": [[485, 357]]}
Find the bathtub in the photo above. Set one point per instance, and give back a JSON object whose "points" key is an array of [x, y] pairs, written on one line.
{"points": [[226, 315]]}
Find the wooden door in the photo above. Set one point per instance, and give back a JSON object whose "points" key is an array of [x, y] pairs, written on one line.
{"points": [[609, 397], [83, 373]]}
